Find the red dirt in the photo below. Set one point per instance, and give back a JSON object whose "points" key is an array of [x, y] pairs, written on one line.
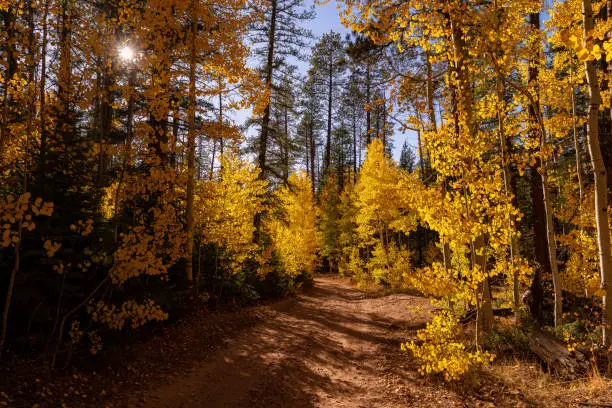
{"points": [[333, 346], [330, 347]]}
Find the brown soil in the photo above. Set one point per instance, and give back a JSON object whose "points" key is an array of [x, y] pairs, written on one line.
{"points": [[325, 348], [333, 346]]}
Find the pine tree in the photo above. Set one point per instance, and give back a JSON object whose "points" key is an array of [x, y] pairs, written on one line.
{"points": [[277, 38], [407, 158], [311, 123], [328, 66]]}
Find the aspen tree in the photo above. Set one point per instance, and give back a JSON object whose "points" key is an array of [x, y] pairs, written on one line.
{"points": [[600, 183]]}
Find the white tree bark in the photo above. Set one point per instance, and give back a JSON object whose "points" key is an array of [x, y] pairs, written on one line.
{"points": [[600, 178]]}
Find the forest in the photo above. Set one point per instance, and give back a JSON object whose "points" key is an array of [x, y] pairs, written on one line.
{"points": [[416, 205]]}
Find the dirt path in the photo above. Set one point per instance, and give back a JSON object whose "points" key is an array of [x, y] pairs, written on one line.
{"points": [[327, 348], [333, 346]]}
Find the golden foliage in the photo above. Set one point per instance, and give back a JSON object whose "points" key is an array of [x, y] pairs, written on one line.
{"points": [[226, 207], [294, 233], [441, 353]]}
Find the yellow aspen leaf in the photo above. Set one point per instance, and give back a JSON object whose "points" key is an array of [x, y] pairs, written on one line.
{"points": [[583, 54]]}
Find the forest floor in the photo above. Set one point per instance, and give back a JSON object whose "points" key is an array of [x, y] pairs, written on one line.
{"points": [[332, 346]]}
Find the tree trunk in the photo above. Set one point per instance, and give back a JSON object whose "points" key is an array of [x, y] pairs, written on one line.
{"points": [[263, 139], [43, 84], [430, 94], [464, 92], [538, 131], [191, 135], [377, 133], [424, 173], [9, 290], [600, 183], [285, 158], [384, 120], [552, 249], [368, 103], [211, 170], [485, 311], [539, 212], [307, 152], [313, 153], [354, 146], [221, 142], [265, 123], [11, 68], [64, 75], [330, 87], [577, 145]]}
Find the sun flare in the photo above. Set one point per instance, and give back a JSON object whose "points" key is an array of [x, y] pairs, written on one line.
{"points": [[126, 53]]}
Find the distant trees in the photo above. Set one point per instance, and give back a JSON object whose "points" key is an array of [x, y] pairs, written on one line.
{"points": [[408, 158], [343, 107], [225, 207], [275, 38], [344, 93], [311, 121], [369, 72], [328, 59], [294, 232], [351, 113], [282, 128]]}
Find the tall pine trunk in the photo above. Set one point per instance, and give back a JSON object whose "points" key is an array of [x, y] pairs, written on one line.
{"points": [[539, 133], [191, 145], [354, 145], [313, 153], [42, 91], [330, 88], [541, 257], [368, 103], [265, 122]]}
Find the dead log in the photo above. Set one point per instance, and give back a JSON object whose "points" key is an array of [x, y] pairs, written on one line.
{"points": [[554, 353]]}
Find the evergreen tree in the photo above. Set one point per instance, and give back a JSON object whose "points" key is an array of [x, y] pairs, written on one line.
{"points": [[328, 65], [277, 38], [311, 123], [407, 158]]}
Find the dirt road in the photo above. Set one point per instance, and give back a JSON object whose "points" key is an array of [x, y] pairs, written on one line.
{"points": [[330, 347], [327, 348]]}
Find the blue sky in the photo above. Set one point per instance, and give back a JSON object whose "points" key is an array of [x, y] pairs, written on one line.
{"points": [[327, 19]]}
